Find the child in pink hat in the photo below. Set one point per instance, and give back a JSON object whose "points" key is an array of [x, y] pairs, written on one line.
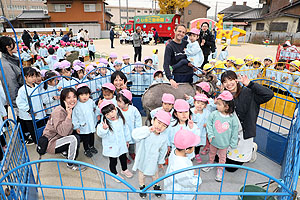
{"points": [[179, 159], [200, 115], [92, 83], [64, 69], [127, 68], [152, 149], [132, 116], [158, 76], [108, 91], [115, 138], [222, 131], [182, 119], [168, 101], [51, 96], [118, 65], [112, 57]]}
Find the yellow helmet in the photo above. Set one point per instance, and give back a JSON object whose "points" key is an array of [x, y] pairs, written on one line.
{"points": [[239, 61], [257, 59], [296, 63], [219, 65], [207, 66], [154, 50], [269, 58], [212, 60], [249, 57], [231, 58]]}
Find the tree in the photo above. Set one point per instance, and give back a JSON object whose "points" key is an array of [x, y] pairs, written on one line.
{"points": [[172, 6]]}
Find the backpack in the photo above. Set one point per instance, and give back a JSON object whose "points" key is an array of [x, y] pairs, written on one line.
{"points": [[42, 145]]}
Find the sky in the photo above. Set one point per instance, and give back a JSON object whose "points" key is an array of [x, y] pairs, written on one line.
{"points": [[222, 4]]}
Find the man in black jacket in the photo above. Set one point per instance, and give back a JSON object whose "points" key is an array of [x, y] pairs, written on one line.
{"points": [[206, 42], [112, 37]]}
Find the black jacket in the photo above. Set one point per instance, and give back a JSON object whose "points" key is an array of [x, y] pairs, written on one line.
{"points": [[111, 34], [209, 45], [247, 106], [26, 39]]}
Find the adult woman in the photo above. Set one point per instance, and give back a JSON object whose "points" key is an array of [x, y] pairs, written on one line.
{"points": [[59, 128], [137, 44], [86, 37], [119, 80], [35, 49], [26, 37], [11, 68], [247, 102], [206, 41]]}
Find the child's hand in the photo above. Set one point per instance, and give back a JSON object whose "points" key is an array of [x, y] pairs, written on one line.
{"points": [[105, 126], [151, 129], [5, 118], [204, 125], [161, 166], [187, 97], [59, 88], [98, 118], [190, 124], [78, 131], [169, 150], [210, 139]]}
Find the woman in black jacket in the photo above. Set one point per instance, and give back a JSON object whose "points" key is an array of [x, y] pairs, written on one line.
{"points": [[26, 37], [247, 101], [206, 42]]}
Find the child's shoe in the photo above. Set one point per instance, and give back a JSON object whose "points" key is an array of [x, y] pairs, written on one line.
{"points": [[157, 187], [206, 169], [93, 150], [198, 158], [219, 175], [127, 173], [88, 153], [143, 195]]}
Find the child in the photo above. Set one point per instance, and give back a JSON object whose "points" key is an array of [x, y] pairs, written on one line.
{"points": [[111, 59], [38, 76], [118, 65], [51, 59], [257, 70], [152, 149], [193, 50], [138, 79], [239, 63], [25, 55], [61, 51], [126, 67], [158, 77], [92, 50], [83, 119], [115, 137], [43, 52], [102, 77], [280, 73], [50, 94], [39, 63], [25, 114], [179, 159], [168, 101], [199, 117], [155, 58], [92, 82], [104, 61], [149, 71], [108, 90], [81, 52], [182, 119], [222, 131], [64, 69], [224, 53], [230, 63], [78, 72], [132, 116]]}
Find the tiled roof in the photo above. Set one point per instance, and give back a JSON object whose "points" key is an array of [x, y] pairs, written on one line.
{"points": [[235, 9], [253, 13], [33, 15]]}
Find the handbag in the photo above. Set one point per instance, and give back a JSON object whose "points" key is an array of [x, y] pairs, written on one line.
{"points": [[42, 145]]}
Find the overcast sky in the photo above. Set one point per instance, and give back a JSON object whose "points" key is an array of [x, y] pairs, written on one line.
{"points": [[212, 3]]}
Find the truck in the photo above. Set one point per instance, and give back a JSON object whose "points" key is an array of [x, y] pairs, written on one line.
{"points": [[164, 24]]}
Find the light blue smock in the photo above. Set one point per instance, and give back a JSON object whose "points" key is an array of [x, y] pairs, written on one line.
{"points": [[43, 52], [200, 120], [51, 60], [61, 53], [223, 55], [47, 97], [194, 53]]}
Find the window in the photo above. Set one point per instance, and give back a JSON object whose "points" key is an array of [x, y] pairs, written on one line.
{"points": [[130, 17], [138, 11], [278, 26], [189, 12], [130, 10], [89, 7], [145, 11], [68, 5], [59, 7], [260, 26]]}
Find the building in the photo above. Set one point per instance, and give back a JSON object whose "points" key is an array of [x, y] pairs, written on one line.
{"points": [[132, 11], [13, 8], [234, 9], [193, 11]]}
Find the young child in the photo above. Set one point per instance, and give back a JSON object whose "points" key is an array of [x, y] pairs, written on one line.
{"points": [[83, 119], [92, 50], [155, 59], [132, 116], [193, 50], [25, 114], [91, 81], [231, 63], [138, 79], [184, 141], [224, 53], [102, 77], [78, 72], [149, 71], [268, 60], [168, 101], [50, 93], [64, 69], [222, 131], [158, 77], [38, 77], [257, 70], [111, 59], [115, 137], [182, 119], [152, 149], [81, 52], [43, 52], [199, 117], [126, 66], [25, 55], [108, 90], [293, 78], [61, 52], [240, 67], [280, 73], [51, 59], [118, 65], [39, 63]]}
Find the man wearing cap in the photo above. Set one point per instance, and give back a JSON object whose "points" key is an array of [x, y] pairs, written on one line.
{"points": [[174, 53]]}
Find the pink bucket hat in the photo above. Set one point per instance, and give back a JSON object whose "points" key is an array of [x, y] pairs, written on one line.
{"points": [[103, 60], [82, 85], [127, 94], [168, 98], [38, 57], [77, 68], [157, 72], [65, 64], [43, 72], [147, 58], [113, 55], [181, 105], [57, 65], [109, 86], [125, 57], [139, 64], [201, 97], [225, 96], [163, 116], [101, 65], [89, 68], [204, 85], [105, 103], [118, 62], [68, 43], [195, 31], [184, 139]]}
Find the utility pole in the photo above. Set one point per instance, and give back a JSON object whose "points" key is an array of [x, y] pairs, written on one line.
{"points": [[2, 9], [120, 12], [152, 6], [216, 11], [127, 10], [155, 6]]}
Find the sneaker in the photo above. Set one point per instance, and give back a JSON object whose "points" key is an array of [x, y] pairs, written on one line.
{"points": [[117, 179], [198, 158], [29, 141], [88, 153], [157, 187], [132, 155], [93, 150], [143, 195], [75, 167], [127, 173], [128, 161], [207, 169], [64, 154], [219, 175], [204, 151], [254, 153]]}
